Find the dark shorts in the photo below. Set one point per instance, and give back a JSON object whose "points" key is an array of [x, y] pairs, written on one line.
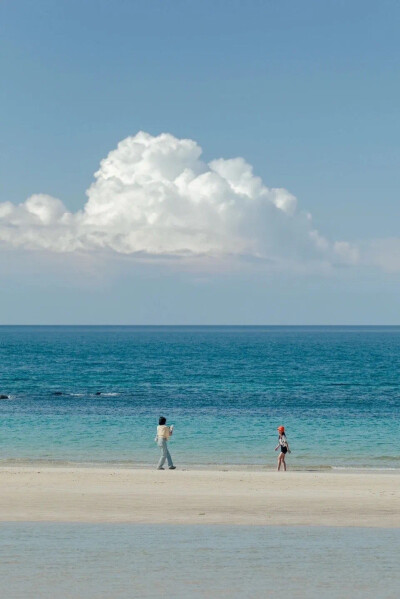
{"points": [[283, 449]]}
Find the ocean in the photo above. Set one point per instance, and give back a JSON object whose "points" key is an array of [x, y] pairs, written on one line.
{"points": [[93, 395]]}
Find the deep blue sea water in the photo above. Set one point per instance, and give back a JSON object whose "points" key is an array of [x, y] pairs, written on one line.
{"points": [[226, 389]]}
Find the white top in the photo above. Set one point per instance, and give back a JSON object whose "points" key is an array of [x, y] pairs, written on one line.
{"points": [[163, 431], [283, 441]]}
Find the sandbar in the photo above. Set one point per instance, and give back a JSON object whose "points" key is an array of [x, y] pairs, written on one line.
{"points": [[235, 497]]}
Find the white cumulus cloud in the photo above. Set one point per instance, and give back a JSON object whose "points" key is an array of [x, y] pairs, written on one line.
{"points": [[153, 195]]}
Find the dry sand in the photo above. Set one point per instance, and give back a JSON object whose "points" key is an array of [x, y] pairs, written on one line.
{"points": [[77, 494]]}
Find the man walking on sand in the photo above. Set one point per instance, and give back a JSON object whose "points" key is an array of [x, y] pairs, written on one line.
{"points": [[164, 432]]}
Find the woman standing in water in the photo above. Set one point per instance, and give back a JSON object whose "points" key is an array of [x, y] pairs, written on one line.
{"points": [[284, 445], [163, 434]]}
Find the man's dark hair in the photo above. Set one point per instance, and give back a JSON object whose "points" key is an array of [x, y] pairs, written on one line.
{"points": [[162, 420]]}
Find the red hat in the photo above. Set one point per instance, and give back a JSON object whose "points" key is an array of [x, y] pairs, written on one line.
{"points": [[281, 429]]}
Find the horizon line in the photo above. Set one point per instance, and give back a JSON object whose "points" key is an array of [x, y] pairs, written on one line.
{"points": [[199, 325]]}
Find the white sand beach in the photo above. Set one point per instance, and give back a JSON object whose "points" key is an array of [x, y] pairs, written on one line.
{"points": [[101, 495]]}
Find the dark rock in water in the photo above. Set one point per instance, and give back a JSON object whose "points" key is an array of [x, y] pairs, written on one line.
{"points": [[4, 396], [98, 393], [57, 393]]}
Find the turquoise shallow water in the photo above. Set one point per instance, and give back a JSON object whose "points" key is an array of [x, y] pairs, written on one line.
{"points": [[94, 394], [74, 561]]}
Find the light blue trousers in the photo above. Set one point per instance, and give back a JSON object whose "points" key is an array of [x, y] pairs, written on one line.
{"points": [[165, 455]]}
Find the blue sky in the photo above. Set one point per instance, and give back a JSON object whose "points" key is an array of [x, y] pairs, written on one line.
{"points": [[306, 92]]}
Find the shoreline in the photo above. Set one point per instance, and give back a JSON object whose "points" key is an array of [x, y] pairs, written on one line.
{"points": [[129, 467], [196, 496], [206, 466]]}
